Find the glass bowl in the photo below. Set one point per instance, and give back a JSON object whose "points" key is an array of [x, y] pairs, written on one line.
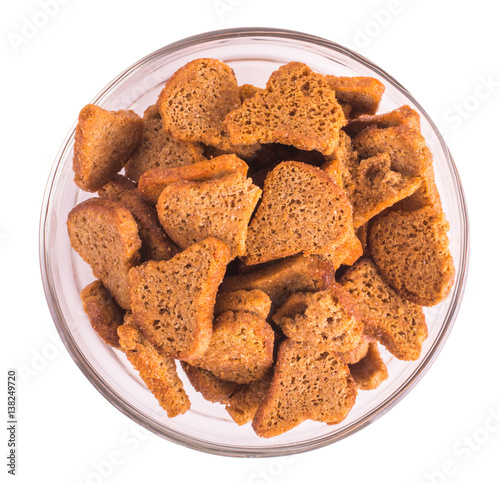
{"points": [[253, 54]]}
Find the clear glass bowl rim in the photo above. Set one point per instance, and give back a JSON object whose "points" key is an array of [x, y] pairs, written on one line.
{"points": [[221, 449]]}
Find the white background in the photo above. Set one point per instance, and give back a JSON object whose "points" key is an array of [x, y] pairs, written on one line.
{"points": [[442, 52]]}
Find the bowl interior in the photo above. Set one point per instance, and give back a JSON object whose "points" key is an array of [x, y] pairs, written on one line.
{"points": [[253, 55]]}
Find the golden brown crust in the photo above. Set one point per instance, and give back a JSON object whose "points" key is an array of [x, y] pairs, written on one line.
{"points": [[302, 211], [412, 252], [116, 186], [370, 371], [246, 91], [240, 349], [361, 95], [191, 211], [104, 141], [296, 108], [104, 314], [157, 371], [158, 149], [327, 319], [105, 235], [308, 383], [153, 182], [173, 300], [398, 324], [255, 302], [209, 386]]}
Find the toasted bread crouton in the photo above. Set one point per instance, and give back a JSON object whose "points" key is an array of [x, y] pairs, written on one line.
{"points": [[156, 370], [328, 319], [296, 108], [241, 348], [361, 95], [153, 182], [173, 300], [104, 314], [281, 279], [357, 353], [106, 236], [158, 149], [156, 245], [191, 211], [246, 91], [302, 211], [370, 371], [308, 383], [104, 142], [398, 324], [116, 186], [412, 252], [210, 387], [255, 302], [245, 401]]}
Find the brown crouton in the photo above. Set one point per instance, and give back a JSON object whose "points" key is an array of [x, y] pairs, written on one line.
{"points": [[370, 371], [255, 302]]}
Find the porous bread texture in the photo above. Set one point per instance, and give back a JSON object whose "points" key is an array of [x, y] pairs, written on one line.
{"points": [[412, 252], [191, 211], [106, 236], [302, 211], [397, 323], [328, 319], [296, 108], [246, 91], [240, 349], [116, 186], [308, 383], [156, 245], [104, 314], [158, 372], [209, 386], [370, 371], [153, 182], [195, 101], [158, 149], [372, 186], [255, 302], [357, 353], [245, 401], [173, 300], [281, 279], [357, 95], [104, 142]]}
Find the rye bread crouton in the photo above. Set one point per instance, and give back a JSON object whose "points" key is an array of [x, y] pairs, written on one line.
{"points": [[191, 211], [209, 386], [158, 149], [411, 249], [302, 211], [328, 319], [398, 324], [308, 383], [153, 182], [173, 300], [240, 349], [106, 236], [370, 371], [281, 279], [158, 372], [254, 302], [296, 108], [116, 186], [360, 95], [104, 314], [104, 142]]}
